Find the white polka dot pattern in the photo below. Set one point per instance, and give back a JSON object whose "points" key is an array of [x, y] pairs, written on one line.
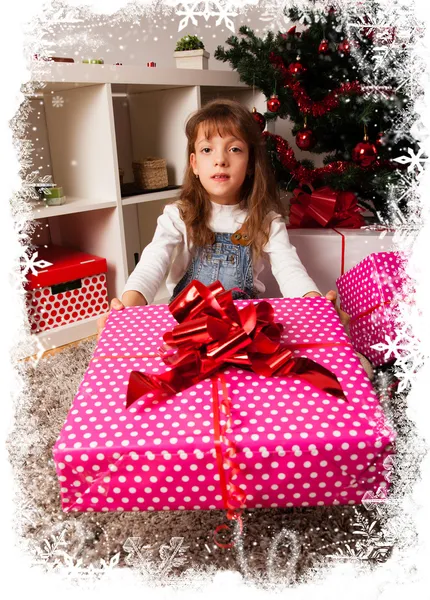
{"points": [[376, 280], [47, 311], [296, 444]]}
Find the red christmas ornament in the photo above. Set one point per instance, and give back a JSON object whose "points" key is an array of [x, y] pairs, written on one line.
{"points": [[273, 104], [323, 47], [296, 69], [305, 138], [259, 118], [344, 47], [364, 153]]}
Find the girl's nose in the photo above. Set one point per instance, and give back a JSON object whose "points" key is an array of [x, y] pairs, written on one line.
{"points": [[220, 159]]}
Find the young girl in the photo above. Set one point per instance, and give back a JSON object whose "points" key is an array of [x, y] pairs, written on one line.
{"points": [[228, 214]]}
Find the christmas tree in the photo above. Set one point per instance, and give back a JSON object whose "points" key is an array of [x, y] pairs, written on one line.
{"points": [[319, 79]]}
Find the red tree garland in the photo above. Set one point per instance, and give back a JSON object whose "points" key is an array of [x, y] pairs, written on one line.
{"points": [[301, 173], [304, 102]]}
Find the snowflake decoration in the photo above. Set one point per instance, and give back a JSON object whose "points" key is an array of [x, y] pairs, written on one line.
{"points": [[172, 555], [408, 77], [51, 550], [375, 91], [276, 18], [404, 188], [30, 513], [371, 545], [57, 101], [388, 464], [374, 86], [406, 374], [137, 553], [405, 347], [190, 9], [75, 571], [391, 348], [371, 500], [64, 14], [394, 34], [378, 25], [21, 234], [390, 30], [405, 227], [31, 264], [347, 552], [367, 531], [416, 161], [52, 556], [318, 17]]}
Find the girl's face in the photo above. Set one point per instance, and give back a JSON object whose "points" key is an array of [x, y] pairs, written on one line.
{"points": [[221, 164]]}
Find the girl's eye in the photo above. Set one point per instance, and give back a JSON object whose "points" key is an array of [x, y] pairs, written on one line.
{"points": [[235, 148]]}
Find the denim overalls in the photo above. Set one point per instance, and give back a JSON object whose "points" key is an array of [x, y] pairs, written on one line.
{"points": [[229, 263]]}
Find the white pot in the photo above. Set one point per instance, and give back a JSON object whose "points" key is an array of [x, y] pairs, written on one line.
{"points": [[192, 59]]}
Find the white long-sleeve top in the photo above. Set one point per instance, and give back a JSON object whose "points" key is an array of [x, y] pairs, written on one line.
{"points": [[169, 253]]}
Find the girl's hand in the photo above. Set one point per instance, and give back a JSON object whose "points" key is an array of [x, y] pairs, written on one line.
{"points": [[344, 317], [332, 296], [115, 304]]}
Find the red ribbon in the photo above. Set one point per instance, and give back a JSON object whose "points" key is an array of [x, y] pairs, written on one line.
{"points": [[212, 333], [324, 207], [233, 496], [370, 311]]}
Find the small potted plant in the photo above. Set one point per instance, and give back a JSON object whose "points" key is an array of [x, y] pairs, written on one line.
{"points": [[190, 53]]}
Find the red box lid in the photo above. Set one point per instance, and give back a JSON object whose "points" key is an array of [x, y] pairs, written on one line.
{"points": [[67, 265]]}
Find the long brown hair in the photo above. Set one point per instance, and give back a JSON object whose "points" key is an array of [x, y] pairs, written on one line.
{"points": [[259, 193]]}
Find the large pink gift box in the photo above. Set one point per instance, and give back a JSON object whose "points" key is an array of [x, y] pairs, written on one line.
{"points": [[369, 293], [297, 445]]}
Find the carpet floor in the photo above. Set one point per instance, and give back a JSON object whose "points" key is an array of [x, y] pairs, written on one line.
{"points": [[303, 537]]}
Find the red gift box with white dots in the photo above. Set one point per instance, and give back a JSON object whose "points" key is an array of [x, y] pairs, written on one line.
{"points": [[369, 293], [70, 289], [296, 445]]}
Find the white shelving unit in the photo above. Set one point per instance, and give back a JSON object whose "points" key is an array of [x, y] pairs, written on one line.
{"points": [[90, 120]]}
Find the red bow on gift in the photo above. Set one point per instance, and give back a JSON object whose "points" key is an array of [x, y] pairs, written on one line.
{"points": [[323, 207], [213, 333]]}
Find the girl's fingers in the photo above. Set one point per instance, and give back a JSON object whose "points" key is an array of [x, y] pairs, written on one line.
{"points": [[332, 296], [116, 304], [345, 317], [101, 322]]}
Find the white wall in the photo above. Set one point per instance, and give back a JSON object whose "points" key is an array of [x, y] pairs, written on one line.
{"points": [[147, 38], [153, 38]]}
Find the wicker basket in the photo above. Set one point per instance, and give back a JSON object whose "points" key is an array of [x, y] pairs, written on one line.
{"points": [[150, 173]]}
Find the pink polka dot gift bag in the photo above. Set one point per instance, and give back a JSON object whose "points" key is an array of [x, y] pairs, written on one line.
{"points": [[370, 293], [286, 418]]}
